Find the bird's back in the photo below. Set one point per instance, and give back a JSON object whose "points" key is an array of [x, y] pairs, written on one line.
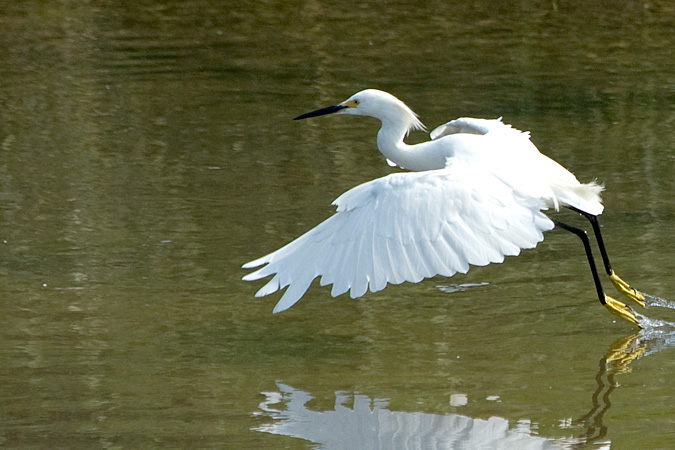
{"points": [[469, 125], [509, 154]]}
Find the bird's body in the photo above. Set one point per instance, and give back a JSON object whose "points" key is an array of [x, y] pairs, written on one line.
{"points": [[475, 193], [496, 147]]}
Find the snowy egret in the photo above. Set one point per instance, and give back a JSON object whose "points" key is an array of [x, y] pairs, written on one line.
{"points": [[475, 194]]}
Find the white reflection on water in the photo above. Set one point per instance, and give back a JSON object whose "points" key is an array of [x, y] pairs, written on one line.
{"points": [[450, 288], [370, 425]]}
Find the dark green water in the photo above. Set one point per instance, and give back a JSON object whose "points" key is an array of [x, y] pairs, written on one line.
{"points": [[147, 151]]}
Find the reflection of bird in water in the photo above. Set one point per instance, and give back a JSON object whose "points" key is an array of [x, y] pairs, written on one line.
{"points": [[368, 424], [476, 195], [656, 336]]}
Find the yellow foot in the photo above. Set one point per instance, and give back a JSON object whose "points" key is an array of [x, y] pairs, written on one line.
{"points": [[622, 310], [627, 290]]}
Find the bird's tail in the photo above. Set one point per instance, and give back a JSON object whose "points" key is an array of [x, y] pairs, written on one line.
{"points": [[584, 196]]}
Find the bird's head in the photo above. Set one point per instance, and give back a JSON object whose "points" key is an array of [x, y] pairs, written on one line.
{"points": [[372, 103]]}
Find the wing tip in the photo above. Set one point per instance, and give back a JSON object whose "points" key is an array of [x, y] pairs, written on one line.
{"points": [[255, 263], [253, 276], [286, 302]]}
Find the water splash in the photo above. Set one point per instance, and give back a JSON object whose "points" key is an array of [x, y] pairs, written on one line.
{"points": [[652, 300], [655, 325], [656, 329]]}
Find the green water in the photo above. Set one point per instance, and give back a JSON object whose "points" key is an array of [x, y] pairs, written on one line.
{"points": [[147, 151]]}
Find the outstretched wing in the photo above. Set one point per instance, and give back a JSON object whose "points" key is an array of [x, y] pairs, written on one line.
{"points": [[406, 227]]}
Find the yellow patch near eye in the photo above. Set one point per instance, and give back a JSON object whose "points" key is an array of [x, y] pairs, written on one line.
{"points": [[351, 103]]}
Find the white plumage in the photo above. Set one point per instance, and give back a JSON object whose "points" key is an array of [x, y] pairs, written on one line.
{"points": [[476, 195]]}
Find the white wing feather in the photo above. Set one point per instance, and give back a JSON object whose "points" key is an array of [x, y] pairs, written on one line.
{"points": [[406, 227], [470, 126], [519, 163]]}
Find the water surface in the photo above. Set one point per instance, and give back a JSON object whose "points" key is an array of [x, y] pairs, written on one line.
{"points": [[147, 152]]}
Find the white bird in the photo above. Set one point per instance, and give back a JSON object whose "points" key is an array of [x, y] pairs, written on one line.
{"points": [[475, 195]]}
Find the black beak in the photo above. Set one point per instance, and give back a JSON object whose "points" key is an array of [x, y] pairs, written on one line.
{"points": [[321, 112]]}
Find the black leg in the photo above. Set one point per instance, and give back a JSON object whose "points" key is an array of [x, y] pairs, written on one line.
{"points": [[621, 286], [593, 219], [589, 254], [614, 306]]}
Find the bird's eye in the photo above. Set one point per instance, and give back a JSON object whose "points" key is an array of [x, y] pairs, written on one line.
{"points": [[356, 102]]}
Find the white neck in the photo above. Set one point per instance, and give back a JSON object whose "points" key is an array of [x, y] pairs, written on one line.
{"points": [[415, 157]]}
